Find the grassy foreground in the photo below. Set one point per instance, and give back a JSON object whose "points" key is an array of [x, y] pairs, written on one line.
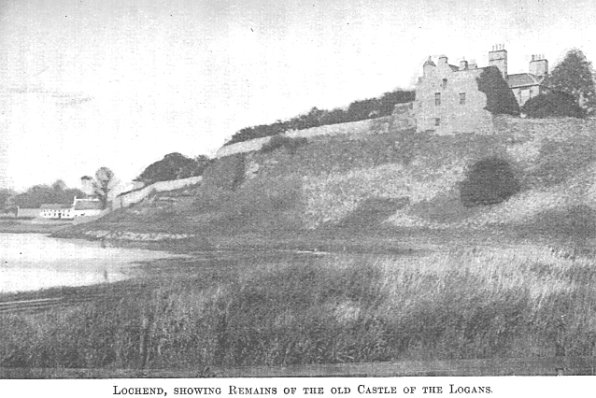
{"points": [[458, 304]]}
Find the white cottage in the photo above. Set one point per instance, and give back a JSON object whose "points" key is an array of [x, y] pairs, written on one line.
{"points": [[56, 211], [86, 207]]}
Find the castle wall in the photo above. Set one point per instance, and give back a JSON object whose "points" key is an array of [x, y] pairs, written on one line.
{"points": [[129, 198], [401, 119]]}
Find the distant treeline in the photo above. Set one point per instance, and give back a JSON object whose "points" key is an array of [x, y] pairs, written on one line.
{"points": [[34, 197], [357, 110]]}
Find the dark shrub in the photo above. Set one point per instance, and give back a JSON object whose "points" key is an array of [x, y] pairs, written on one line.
{"points": [[552, 104], [281, 141], [488, 181], [499, 97], [172, 167]]}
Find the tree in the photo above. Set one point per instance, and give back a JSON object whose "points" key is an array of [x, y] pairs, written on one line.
{"points": [[6, 196], [552, 104], [363, 109], [37, 195], [499, 97], [574, 77], [173, 166], [388, 101], [59, 185], [103, 184]]}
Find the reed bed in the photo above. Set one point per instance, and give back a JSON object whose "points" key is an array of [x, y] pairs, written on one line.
{"points": [[462, 303]]}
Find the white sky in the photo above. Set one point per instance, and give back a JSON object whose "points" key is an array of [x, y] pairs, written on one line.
{"points": [[121, 83]]}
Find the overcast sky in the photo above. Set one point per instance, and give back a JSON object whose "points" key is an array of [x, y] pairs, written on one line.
{"points": [[85, 84]]}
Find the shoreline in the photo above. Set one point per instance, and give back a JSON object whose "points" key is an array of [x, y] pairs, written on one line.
{"points": [[15, 226]]}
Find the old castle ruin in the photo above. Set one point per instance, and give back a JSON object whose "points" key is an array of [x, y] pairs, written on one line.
{"points": [[449, 100]]}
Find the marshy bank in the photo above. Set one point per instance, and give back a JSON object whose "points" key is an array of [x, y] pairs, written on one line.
{"points": [[456, 304]]}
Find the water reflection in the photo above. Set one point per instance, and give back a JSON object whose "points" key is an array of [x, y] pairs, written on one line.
{"points": [[35, 261]]}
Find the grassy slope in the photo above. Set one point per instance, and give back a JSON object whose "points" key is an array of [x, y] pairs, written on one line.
{"points": [[389, 178], [460, 301]]}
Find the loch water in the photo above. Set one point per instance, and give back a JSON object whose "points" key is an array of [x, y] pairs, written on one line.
{"points": [[31, 262]]}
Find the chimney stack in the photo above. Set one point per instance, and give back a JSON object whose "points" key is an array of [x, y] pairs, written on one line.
{"points": [[538, 65], [498, 57]]}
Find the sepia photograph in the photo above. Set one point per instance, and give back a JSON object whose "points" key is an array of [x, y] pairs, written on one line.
{"points": [[262, 189]]}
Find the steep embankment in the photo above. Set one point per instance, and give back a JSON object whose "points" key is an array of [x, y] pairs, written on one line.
{"points": [[385, 176]]}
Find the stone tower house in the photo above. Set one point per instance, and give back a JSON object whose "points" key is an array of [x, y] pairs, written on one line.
{"points": [[447, 96], [448, 99]]}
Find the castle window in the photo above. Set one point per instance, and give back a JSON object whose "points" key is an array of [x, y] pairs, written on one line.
{"points": [[437, 121], [444, 84], [462, 98], [437, 99]]}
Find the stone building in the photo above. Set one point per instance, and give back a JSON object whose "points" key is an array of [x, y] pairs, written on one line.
{"points": [[86, 207], [448, 99], [523, 85], [79, 208], [529, 85]]}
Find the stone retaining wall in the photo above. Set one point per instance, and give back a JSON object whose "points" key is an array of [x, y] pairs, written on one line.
{"points": [[403, 118], [129, 198]]}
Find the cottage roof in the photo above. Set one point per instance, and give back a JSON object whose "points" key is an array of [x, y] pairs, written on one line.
{"points": [[86, 204], [523, 79], [54, 206]]}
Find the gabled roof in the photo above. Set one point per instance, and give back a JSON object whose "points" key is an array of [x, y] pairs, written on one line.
{"points": [[86, 204], [54, 206], [523, 79]]}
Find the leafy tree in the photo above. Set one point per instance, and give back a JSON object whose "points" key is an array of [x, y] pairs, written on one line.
{"points": [[173, 166], [6, 198], [364, 109], [499, 97], [574, 77], [37, 195], [552, 104], [388, 101], [103, 184]]}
